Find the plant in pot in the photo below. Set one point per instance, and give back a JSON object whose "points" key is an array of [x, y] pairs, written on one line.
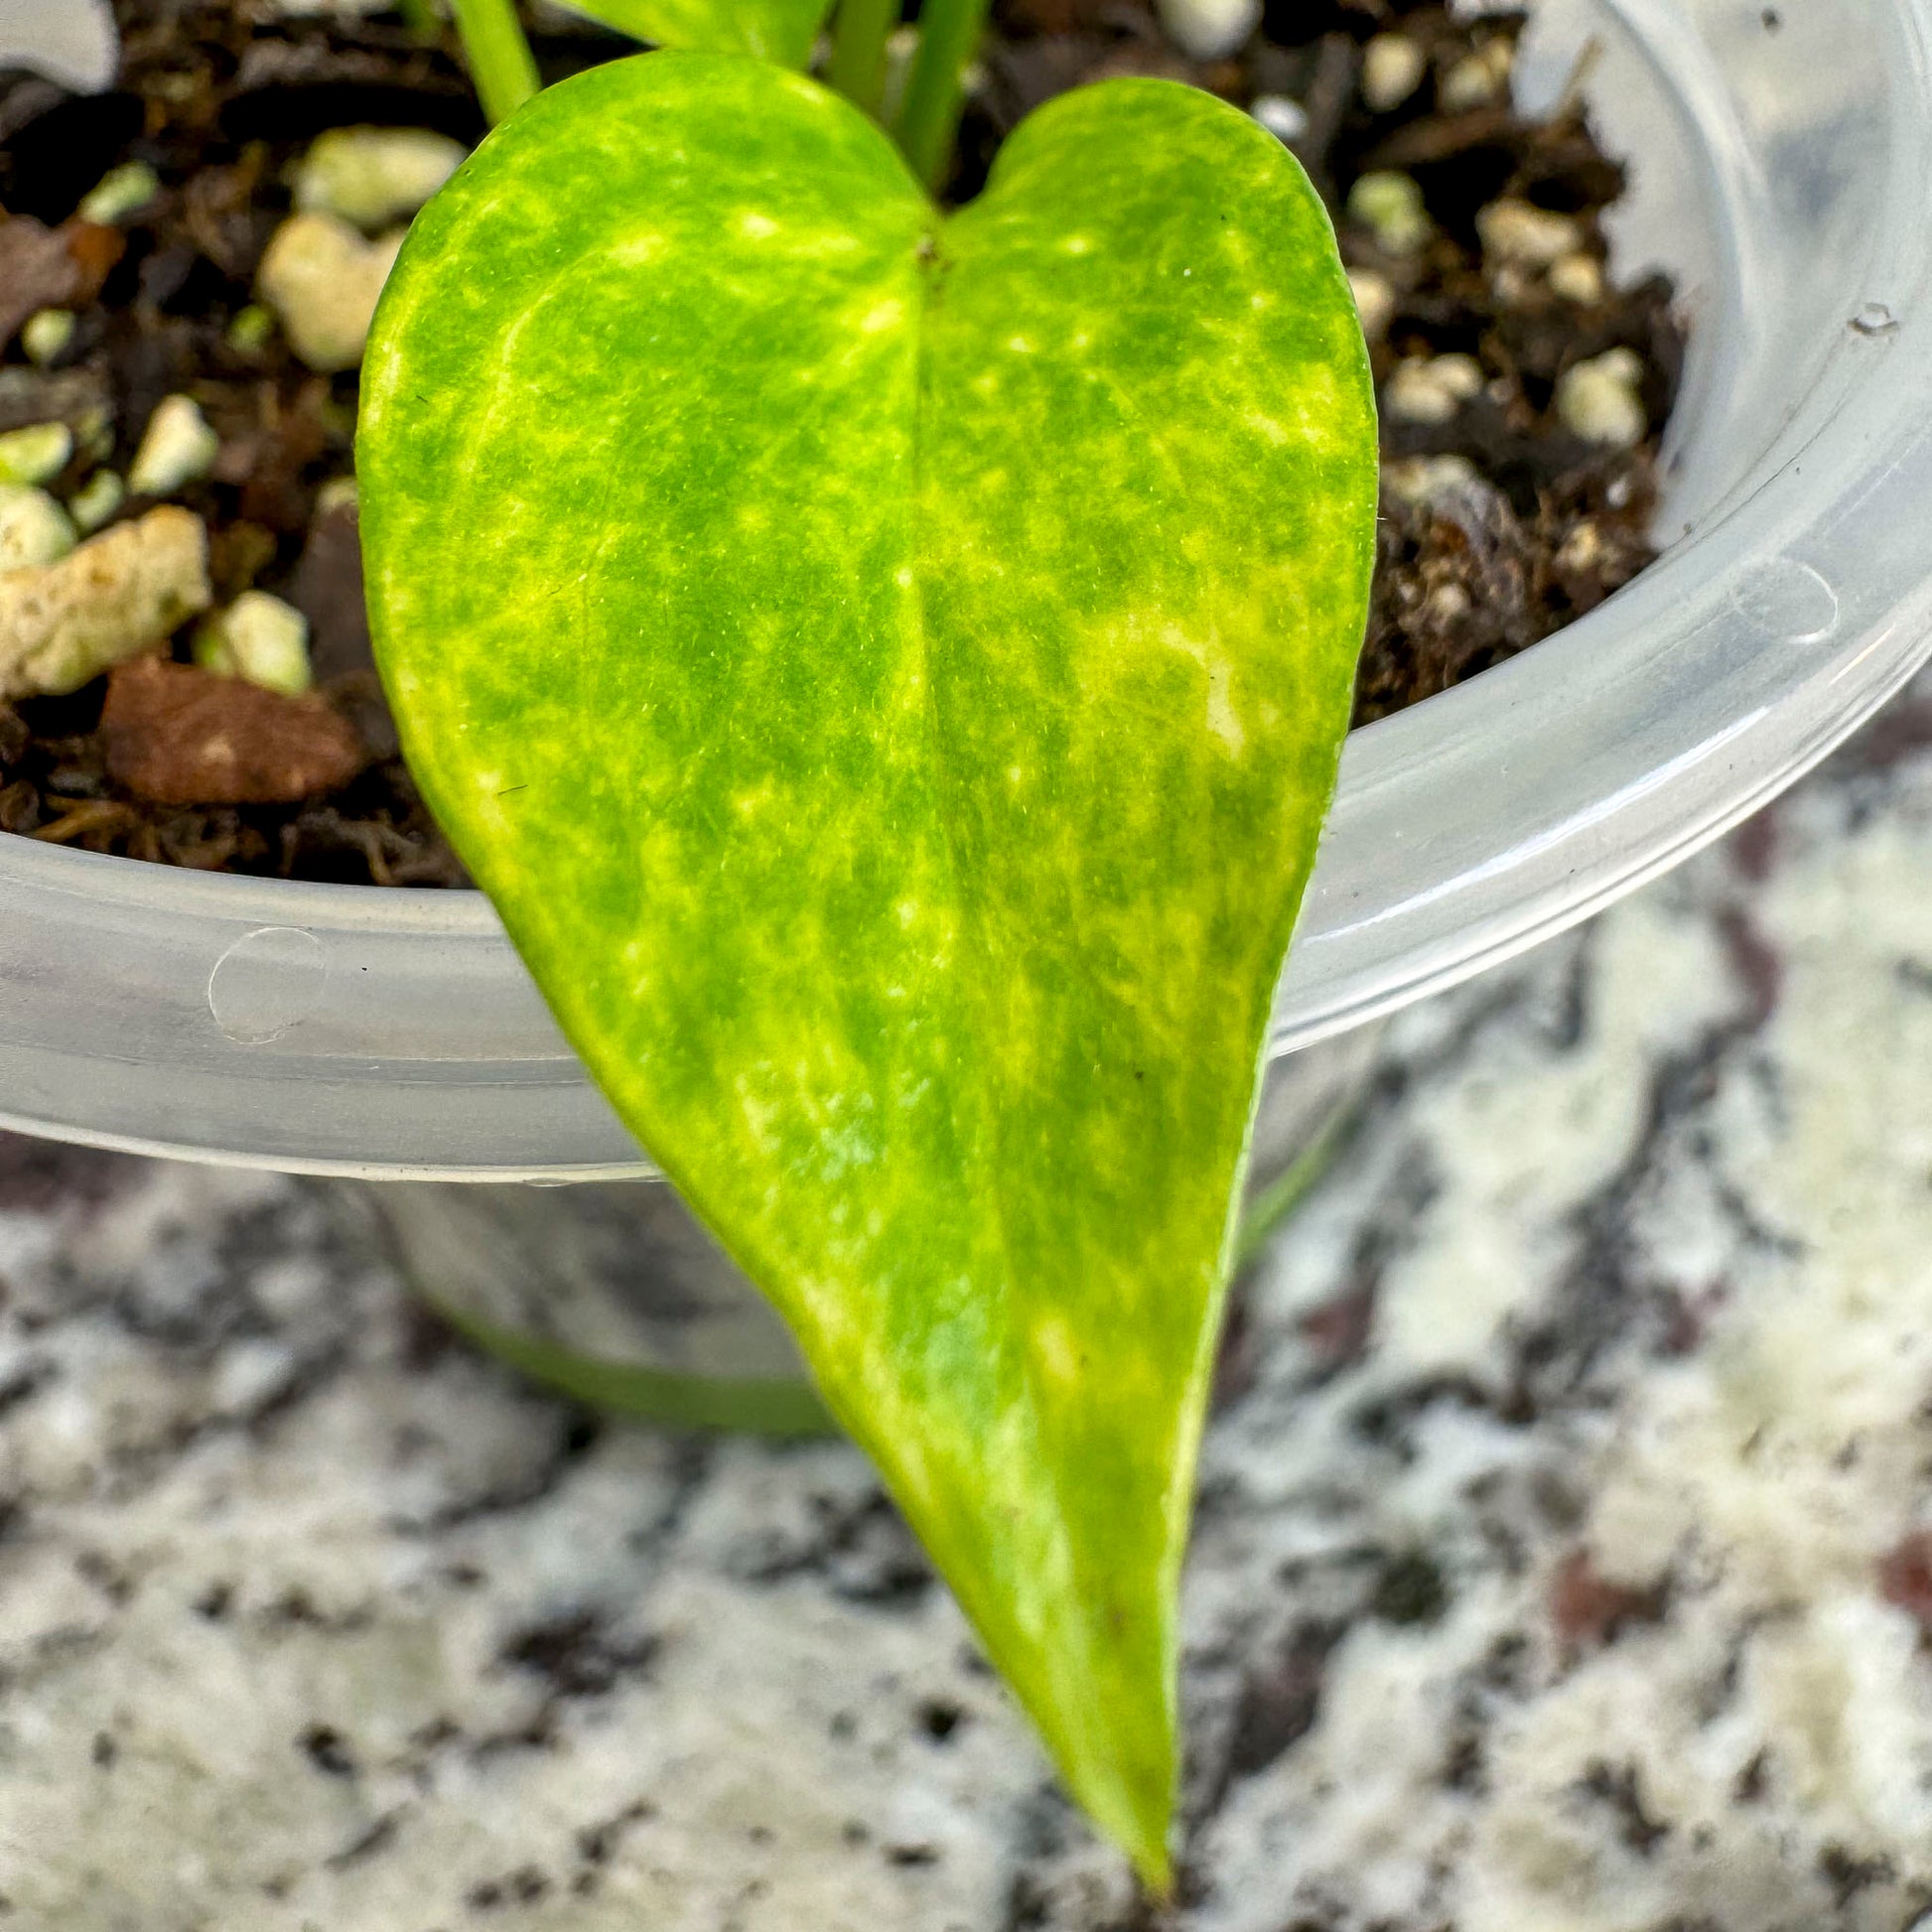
{"points": [[1699, 698]]}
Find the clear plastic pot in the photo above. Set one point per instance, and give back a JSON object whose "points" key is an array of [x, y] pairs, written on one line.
{"points": [[1782, 171]]}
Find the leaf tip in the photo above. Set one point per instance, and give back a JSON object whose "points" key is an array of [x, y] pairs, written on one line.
{"points": [[1134, 1812], [1154, 1866]]}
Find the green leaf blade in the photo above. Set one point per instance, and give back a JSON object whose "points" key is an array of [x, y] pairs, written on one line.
{"points": [[888, 676]]}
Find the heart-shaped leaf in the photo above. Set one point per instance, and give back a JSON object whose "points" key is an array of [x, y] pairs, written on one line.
{"points": [[773, 30], [888, 672]]}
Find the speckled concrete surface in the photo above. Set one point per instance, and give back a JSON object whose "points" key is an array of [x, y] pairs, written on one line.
{"points": [[1564, 1560]]}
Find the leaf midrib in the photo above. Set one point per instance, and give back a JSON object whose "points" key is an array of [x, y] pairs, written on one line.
{"points": [[971, 956]]}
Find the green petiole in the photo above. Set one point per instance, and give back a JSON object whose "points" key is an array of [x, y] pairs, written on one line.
{"points": [[858, 35], [506, 75], [500, 65], [949, 37]]}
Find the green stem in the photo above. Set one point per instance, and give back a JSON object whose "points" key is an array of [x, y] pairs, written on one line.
{"points": [[858, 35], [1263, 1212], [949, 36], [501, 65], [419, 16], [761, 1408]]}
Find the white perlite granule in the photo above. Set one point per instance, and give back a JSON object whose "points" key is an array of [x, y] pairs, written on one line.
{"points": [[121, 593]]}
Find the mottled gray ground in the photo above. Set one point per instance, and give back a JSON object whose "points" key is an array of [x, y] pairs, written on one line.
{"points": [[1564, 1554]]}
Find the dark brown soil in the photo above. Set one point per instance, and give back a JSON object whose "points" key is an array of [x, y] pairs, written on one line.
{"points": [[221, 99]]}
